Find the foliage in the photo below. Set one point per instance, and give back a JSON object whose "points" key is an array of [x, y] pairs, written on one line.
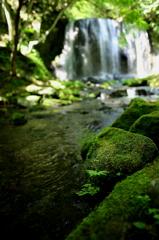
{"points": [[40, 72], [90, 188]]}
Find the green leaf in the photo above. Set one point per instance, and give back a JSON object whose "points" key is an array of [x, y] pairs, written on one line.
{"points": [[88, 189], [93, 173], [156, 216], [140, 225], [153, 210]]}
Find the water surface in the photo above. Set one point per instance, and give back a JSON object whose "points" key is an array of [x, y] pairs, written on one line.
{"points": [[41, 169]]}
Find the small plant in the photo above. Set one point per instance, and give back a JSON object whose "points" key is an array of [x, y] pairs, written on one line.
{"points": [[155, 212], [140, 225], [88, 188], [93, 173]]}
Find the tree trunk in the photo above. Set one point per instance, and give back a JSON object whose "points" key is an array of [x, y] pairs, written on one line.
{"points": [[16, 39], [8, 17]]}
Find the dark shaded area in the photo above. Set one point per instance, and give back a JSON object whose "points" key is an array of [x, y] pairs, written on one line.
{"points": [[41, 172], [54, 43]]}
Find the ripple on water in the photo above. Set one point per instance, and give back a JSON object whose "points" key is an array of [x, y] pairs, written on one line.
{"points": [[41, 171]]}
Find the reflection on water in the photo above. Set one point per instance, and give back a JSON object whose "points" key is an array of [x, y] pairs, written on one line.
{"points": [[41, 170]]}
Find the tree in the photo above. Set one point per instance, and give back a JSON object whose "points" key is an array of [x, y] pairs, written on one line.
{"points": [[16, 39]]}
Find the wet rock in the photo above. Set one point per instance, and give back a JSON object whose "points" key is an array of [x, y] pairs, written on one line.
{"points": [[148, 125], [18, 119], [152, 191], [136, 109], [119, 152], [28, 101], [51, 102]]}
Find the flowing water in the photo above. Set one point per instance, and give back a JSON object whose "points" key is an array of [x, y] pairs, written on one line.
{"points": [[103, 48], [41, 169]]}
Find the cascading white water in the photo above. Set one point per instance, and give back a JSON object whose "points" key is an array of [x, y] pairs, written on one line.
{"points": [[92, 52]]}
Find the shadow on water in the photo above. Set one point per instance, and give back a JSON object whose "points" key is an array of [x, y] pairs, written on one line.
{"points": [[41, 170]]}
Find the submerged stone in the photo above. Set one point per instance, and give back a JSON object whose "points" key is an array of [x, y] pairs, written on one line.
{"points": [[148, 125], [136, 109], [28, 101], [119, 152], [18, 119]]}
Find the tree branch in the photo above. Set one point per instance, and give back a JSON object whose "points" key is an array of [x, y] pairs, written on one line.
{"points": [[7, 13], [70, 4]]}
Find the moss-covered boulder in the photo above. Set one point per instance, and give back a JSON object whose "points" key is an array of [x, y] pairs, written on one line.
{"points": [[18, 119], [148, 125], [127, 213], [28, 101], [136, 109], [52, 102], [151, 80], [119, 152]]}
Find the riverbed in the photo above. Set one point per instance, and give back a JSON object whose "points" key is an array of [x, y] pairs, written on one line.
{"points": [[41, 168]]}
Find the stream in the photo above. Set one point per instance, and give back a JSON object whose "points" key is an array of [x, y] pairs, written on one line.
{"points": [[41, 168]]}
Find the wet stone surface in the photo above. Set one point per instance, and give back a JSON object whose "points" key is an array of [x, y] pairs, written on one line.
{"points": [[41, 169]]}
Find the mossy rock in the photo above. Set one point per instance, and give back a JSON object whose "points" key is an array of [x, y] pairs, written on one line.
{"points": [[151, 80], [119, 152], [52, 102], [125, 213], [136, 109], [37, 107], [148, 125], [18, 119], [74, 84], [28, 101]]}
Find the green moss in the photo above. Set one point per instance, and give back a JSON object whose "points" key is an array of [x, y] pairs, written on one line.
{"points": [[51, 102], [148, 125], [105, 85], [136, 109], [18, 119], [93, 95], [126, 205], [69, 94], [152, 81], [39, 71], [119, 151], [74, 84], [132, 82], [37, 107]]}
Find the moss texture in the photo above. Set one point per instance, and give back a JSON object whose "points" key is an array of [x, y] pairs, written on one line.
{"points": [[18, 119], [148, 125], [136, 109], [126, 206], [119, 152], [152, 80]]}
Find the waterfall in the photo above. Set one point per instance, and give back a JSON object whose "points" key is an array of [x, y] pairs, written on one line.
{"points": [[92, 52]]}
